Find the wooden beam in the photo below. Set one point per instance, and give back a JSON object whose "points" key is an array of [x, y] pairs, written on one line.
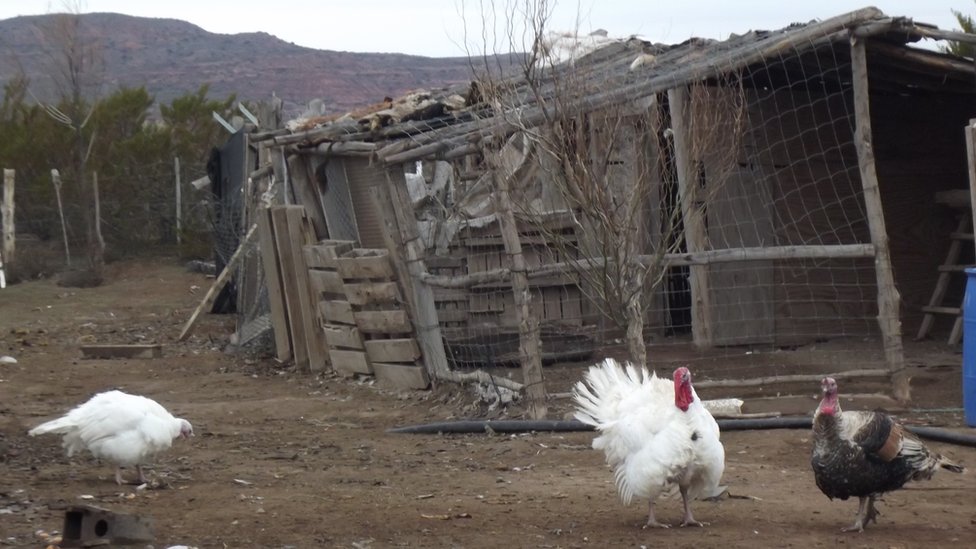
{"points": [[798, 378], [403, 241], [300, 233], [889, 301], [7, 212], [696, 236], [272, 281], [218, 283], [971, 163], [292, 291], [122, 351]]}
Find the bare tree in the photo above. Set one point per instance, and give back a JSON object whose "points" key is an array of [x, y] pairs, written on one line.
{"points": [[76, 69], [611, 166]]}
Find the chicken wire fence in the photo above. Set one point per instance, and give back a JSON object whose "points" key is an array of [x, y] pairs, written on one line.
{"points": [[779, 262]]}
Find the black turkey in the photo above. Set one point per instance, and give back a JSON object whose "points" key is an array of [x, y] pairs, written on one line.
{"points": [[865, 454]]}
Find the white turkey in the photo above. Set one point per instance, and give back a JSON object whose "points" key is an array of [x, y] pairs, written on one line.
{"points": [[655, 433], [865, 454], [127, 430]]}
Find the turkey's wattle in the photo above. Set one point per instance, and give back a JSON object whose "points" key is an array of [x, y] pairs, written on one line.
{"points": [[655, 433], [865, 454]]}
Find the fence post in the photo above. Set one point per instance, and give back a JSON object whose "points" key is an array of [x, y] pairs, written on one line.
{"points": [[179, 201], [56, 179], [7, 210]]}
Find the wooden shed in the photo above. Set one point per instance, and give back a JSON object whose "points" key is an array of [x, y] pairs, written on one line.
{"points": [[793, 182]]}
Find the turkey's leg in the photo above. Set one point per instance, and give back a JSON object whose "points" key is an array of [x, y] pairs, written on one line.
{"points": [[142, 475], [689, 519], [651, 521], [118, 476], [865, 513]]}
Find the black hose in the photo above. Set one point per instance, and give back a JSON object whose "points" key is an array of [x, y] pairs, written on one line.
{"points": [[527, 426]]}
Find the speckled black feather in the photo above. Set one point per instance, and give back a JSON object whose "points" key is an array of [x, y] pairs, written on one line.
{"points": [[850, 467]]}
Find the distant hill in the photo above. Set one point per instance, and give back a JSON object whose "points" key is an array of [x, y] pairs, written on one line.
{"points": [[172, 57]]}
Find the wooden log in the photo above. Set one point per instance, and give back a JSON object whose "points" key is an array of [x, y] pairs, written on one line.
{"points": [[344, 148], [208, 299], [341, 335], [889, 300], [797, 378], [383, 322], [480, 376], [696, 236], [403, 350], [401, 376], [365, 264], [350, 362], [971, 164], [272, 280], [372, 293], [122, 351], [530, 353]]}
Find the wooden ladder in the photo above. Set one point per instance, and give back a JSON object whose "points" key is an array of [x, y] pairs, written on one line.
{"points": [[948, 267]]}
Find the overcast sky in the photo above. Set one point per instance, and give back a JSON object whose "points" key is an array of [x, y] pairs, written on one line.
{"points": [[436, 28]]}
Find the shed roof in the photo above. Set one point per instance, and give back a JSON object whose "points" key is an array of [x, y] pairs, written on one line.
{"points": [[451, 122]]}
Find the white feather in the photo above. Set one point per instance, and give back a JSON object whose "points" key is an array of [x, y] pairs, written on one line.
{"points": [[647, 440], [124, 429]]}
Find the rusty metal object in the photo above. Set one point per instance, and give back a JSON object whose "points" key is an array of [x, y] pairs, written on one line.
{"points": [[90, 526]]}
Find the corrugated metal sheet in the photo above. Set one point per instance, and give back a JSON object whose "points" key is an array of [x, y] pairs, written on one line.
{"points": [[361, 178]]}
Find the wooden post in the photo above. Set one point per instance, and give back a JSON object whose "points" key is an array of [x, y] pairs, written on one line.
{"points": [[98, 254], [56, 179], [530, 352], [889, 300], [272, 279], [696, 236], [7, 211], [179, 201], [971, 157], [403, 240]]}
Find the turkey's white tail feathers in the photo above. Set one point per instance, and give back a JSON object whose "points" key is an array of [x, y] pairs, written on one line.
{"points": [[605, 385], [60, 426]]}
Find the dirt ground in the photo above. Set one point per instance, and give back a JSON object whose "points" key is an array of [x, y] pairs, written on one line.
{"points": [[284, 458]]}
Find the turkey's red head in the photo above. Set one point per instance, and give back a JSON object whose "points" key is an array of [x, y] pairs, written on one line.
{"points": [[829, 403], [683, 397]]}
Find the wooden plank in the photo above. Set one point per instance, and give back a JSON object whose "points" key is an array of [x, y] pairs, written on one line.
{"points": [[403, 239], [341, 335], [392, 350], [336, 312], [323, 255], [383, 322], [293, 292], [301, 233], [208, 299], [452, 315], [371, 293], [889, 300], [400, 376], [350, 362], [272, 279], [325, 282], [365, 263], [122, 351]]}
